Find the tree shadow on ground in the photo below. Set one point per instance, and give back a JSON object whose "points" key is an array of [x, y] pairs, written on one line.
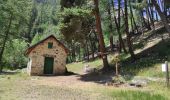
{"points": [[150, 36], [98, 76], [69, 73], [129, 69], [101, 79], [156, 54], [9, 73]]}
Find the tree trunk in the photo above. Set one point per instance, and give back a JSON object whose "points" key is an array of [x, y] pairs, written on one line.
{"points": [[150, 13], [147, 25], [121, 42], [132, 18], [119, 27], [157, 17], [165, 9], [87, 51], [73, 52], [110, 26], [148, 17], [118, 24], [100, 36], [129, 42], [163, 17], [4, 42], [96, 42], [79, 52], [92, 46], [111, 42]]}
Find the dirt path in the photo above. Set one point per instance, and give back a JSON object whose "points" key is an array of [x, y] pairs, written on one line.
{"points": [[66, 81], [68, 88]]}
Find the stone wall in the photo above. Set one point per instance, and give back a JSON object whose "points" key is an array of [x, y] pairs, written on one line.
{"points": [[38, 54]]}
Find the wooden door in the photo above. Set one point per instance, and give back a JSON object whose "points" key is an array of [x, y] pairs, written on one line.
{"points": [[48, 65]]}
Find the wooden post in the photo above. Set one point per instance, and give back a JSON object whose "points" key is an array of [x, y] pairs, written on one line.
{"points": [[117, 60], [167, 73]]}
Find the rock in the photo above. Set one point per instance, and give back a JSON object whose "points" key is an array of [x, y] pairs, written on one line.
{"points": [[117, 84], [121, 82], [109, 84], [135, 85], [140, 80], [138, 85], [131, 84]]}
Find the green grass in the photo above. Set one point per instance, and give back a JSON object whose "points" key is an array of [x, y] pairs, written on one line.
{"points": [[150, 64], [9, 84], [149, 93], [146, 67], [75, 67], [78, 67], [136, 95], [160, 88]]}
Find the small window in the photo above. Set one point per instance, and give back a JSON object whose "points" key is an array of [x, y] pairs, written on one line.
{"points": [[50, 45]]}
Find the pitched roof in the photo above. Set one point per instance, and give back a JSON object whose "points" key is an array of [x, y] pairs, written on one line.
{"points": [[50, 36]]}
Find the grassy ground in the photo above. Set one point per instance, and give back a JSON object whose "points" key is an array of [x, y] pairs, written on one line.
{"points": [[150, 61], [22, 87], [148, 66], [78, 67]]}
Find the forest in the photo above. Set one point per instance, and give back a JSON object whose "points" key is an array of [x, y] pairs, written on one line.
{"points": [[114, 49], [90, 29]]}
